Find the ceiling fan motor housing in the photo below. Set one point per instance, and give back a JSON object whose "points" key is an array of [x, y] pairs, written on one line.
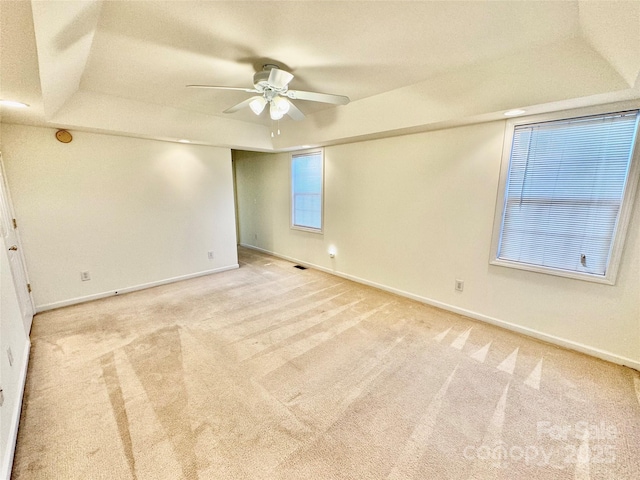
{"points": [[261, 78]]}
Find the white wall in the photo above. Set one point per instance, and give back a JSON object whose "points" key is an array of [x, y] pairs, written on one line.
{"points": [[132, 212], [413, 213]]}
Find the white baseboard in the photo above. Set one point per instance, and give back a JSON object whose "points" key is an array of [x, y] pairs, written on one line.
{"points": [[7, 460], [563, 342], [120, 291]]}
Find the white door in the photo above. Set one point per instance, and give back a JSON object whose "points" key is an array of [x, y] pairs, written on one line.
{"points": [[13, 360], [8, 230]]}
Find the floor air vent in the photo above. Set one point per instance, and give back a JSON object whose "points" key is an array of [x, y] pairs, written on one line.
{"points": [[300, 267]]}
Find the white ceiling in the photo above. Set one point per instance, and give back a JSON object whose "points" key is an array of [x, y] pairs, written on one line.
{"points": [[122, 66]]}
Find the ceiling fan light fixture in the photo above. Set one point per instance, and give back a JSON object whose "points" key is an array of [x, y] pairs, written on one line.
{"points": [[257, 104], [282, 104], [274, 112]]}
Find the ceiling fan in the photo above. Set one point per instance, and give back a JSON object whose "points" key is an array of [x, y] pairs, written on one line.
{"points": [[271, 85]]}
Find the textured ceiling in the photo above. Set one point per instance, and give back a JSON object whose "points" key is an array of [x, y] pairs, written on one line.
{"points": [[122, 66], [149, 51]]}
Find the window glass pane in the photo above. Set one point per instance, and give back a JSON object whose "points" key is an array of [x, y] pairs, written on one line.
{"points": [[564, 191], [306, 179]]}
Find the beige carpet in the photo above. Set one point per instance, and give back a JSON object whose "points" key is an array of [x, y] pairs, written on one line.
{"points": [[270, 372]]}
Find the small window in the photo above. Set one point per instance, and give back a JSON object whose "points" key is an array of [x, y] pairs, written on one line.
{"points": [[306, 190], [567, 195]]}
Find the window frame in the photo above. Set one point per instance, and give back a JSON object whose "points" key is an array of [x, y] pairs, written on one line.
{"points": [[626, 208], [292, 225]]}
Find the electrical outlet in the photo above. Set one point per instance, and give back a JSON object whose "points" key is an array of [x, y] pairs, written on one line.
{"points": [[210, 255], [459, 285], [84, 276], [10, 355]]}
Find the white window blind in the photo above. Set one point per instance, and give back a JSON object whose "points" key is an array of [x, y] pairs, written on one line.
{"points": [[564, 192], [306, 185]]}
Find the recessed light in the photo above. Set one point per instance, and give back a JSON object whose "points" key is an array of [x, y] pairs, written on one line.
{"points": [[184, 141], [305, 146], [514, 113], [13, 104]]}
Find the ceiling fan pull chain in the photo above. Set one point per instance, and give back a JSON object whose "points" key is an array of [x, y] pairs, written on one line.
{"points": [[275, 128]]}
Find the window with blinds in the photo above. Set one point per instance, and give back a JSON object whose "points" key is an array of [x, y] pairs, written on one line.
{"points": [[565, 189], [306, 190]]}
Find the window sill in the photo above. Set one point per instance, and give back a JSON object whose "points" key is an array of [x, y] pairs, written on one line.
{"points": [[586, 277], [307, 229]]}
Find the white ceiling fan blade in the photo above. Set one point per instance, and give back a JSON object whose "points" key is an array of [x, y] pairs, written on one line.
{"points": [[279, 78], [238, 106], [317, 97], [294, 112], [216, 87]]}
